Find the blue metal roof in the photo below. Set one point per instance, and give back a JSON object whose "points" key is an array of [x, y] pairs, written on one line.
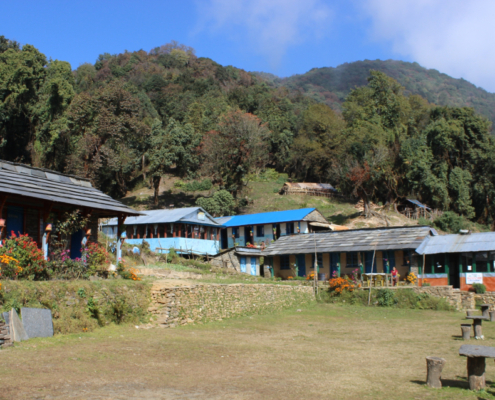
{"points": [[419, 204], [274, 217]]}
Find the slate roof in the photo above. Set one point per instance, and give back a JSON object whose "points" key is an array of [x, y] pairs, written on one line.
{"points": [[184, 215], [274, 217], [395, 238], [44, 184], [458, 243]]}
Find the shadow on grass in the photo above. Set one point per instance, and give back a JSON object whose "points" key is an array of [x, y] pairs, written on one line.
{"points": [[460, 383], [457, 337], [341, 219]]}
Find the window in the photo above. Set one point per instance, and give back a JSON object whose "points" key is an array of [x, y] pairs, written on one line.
{"points": [[235, 232], [482, 262], [352, 260], [438, 264], [390, 257], [290, 228], [260, 231], [319, 257], [284, 262]]}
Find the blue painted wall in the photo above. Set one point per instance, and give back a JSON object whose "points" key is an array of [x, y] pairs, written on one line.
{"points": [[198, 246]]}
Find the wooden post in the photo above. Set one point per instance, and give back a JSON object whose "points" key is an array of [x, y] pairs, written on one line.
{"points": [[434, 367], [476, 372], [492, 316], [3, 200], [466, 331]]}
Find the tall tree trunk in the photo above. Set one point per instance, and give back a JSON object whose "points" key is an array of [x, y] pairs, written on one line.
{"points": [[143, 168], [156, 187]]}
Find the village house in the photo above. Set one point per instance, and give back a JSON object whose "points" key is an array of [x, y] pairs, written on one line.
{"points": [[241, 259], [33, 200], [375, 250], [459, 259], [188, 230], [264, 228]]}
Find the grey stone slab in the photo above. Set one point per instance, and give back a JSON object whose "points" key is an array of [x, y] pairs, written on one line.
{"points": [[37, 322], [470, 350], [17, 331]]}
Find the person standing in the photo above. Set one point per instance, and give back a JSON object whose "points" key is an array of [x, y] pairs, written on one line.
{"points": [[395, 277]]}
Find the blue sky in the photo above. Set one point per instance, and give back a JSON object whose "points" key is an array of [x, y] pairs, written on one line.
{"points": [[284, 37]]}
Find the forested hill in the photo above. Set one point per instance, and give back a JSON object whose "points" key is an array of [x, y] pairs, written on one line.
{"points": [[131, 118], [332, 85]]}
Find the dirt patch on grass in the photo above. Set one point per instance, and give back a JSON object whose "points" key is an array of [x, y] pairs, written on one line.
{"points": [[322, 352]]}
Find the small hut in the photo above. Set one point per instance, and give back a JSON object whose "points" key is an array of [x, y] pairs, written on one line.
{"points": [[311, 189]]}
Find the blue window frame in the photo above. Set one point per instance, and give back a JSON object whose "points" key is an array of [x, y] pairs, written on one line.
{"points": [[289, 228], [235, 232], [260, 231], [284, 262], [390, 257], [319, 257], [352, 260]]}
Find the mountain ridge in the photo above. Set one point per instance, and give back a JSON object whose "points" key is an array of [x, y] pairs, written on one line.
{"points": [[331, 85]]}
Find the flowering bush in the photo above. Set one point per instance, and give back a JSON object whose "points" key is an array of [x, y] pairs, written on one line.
{"points": [[96, 256], [29, 264], [339, 285], [9, 266], [126, 272], [411, 278], [310, 276]]}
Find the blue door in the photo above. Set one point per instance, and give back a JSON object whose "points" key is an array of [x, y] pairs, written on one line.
{"points": [[243, 264], [368, 262], [15, 221], [334, 263], [253, 266], [301, 265], [75, 244]]}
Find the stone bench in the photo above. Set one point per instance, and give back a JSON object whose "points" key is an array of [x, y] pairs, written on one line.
{"points": [[476, 363]]}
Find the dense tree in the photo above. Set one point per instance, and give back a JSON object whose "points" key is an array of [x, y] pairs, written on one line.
{"points": [[220, 204], [239, 147]]}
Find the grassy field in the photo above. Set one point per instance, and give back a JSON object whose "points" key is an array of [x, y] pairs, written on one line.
{"points": [[323, 352]]}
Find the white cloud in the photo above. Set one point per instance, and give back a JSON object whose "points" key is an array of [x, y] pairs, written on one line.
{"points": [[269, 27], [454, 36]]}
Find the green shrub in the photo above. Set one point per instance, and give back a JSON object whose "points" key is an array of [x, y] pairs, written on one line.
{"points": [[386, 298], [450, 222], [220, 204], [401, 298], [194, 186], [479, 288]]}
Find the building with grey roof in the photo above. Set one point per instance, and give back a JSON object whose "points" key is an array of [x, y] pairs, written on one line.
{"points": [[33, 198], [341, 252], [189, 230]]}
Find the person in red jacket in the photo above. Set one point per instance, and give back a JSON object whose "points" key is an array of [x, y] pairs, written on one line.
{"points": [[395, 277]]}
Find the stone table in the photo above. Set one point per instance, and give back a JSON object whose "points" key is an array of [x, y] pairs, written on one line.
{"points": [[476, 363], [485, 309], [478, 334]]}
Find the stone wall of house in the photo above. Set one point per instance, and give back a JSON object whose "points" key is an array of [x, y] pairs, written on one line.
{"points": [[173, 306], [227, 260], [485, 298]]}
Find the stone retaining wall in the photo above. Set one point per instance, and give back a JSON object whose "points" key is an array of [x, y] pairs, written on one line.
{"points": [[172, 306]]}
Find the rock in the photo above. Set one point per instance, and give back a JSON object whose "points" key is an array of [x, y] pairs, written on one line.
{"points": [[37, 322]]}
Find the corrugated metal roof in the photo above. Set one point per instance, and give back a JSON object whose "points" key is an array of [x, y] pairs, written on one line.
{"points": [[248, 251], [188, 214], [419, 204], [274, 217], [458, 243], [395, 238], [43, 184], [308, 185]]}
